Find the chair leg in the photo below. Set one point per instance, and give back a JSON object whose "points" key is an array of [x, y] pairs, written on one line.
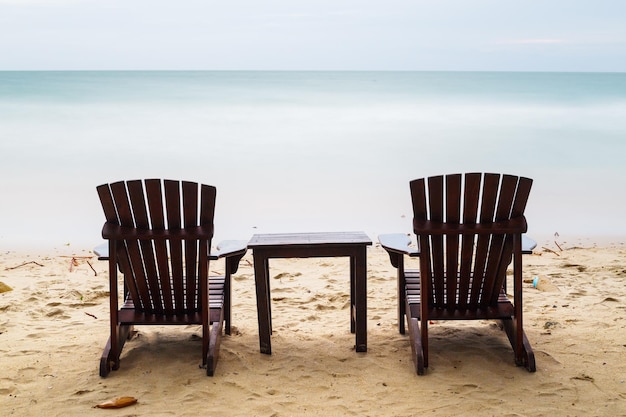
{"points": [[424, 340], [529, 356], [417, 350], [401, 279], [415, 336], [105, 360], [227, 304], [525, 357], [215, 338], [110, 359]]}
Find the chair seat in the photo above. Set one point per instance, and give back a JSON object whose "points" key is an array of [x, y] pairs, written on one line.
{"points": [[503, 309], [128, 314]]}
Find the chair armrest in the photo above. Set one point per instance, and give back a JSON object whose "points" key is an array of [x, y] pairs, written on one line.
{"points": [[102, 251], [233, 251], [230, 248], [397, 243], [528, 245]]}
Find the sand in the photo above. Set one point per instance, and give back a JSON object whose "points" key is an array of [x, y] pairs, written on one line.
{"points": [[54, 324]]}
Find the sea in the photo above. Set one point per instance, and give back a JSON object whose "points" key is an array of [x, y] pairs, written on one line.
{"points": [[298, 151]]}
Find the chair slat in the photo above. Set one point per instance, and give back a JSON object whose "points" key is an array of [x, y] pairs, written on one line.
{"points": [[140, 211], [134, 277], [499, 251], [134, 196], [207, 212], [453, 215], [518, 205], [420, 212], [436, 203], [521, 196], [471, 196], [208, 196], [174, 221], [154, 197], [489, 197], [110, 214], [106, 199], [190, 218]]}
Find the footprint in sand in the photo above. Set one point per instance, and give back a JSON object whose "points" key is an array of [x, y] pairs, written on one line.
{"points": [[463, 389], [57, 313], [287, 275], [243, 277], [325, 307]]}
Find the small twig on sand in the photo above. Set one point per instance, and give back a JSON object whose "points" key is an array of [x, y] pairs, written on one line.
{"points": [[91, 266], [73, 263], [550, 250], [558, 246], [91, 315], [24, 264]]}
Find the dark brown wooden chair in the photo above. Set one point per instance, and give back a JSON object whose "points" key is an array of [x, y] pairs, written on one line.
{"points": [[468, 228], [159, 236]]}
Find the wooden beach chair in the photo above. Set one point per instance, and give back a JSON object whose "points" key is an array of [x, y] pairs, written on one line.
{"points": [[468, 228], [159, 236]]}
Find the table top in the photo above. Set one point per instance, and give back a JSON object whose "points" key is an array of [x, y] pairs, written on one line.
{"points": [[309, 239]]}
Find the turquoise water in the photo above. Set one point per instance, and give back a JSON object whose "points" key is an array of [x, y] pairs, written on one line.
{"points": [[307, 151]]}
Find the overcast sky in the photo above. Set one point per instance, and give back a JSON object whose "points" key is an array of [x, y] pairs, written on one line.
{"points": [[522, 35]]}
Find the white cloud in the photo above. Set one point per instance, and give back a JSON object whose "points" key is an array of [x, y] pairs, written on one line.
{"points": [[536, 41], [46, 3]]}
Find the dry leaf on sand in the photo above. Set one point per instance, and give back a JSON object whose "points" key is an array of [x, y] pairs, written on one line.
{"points": [[118, 402]]}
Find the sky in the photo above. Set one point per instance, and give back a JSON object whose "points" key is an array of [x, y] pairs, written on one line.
{"points": [[448, 35]]}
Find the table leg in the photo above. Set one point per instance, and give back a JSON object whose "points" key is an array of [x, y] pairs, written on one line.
{"points": [[261, 277], [360, 298], [269, 293], [352, 294]]}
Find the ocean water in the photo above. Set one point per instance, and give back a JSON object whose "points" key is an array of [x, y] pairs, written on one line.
{"points": [[307, 151]]}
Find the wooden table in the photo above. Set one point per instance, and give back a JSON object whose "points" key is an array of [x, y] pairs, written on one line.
{"points": [[312, 245]]}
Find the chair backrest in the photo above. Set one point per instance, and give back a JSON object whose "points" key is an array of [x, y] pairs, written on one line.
{"points": [[162, 259], [465, 226]]}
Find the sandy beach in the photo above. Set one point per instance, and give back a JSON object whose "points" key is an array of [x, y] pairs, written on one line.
{"points": [[54, 324]]}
